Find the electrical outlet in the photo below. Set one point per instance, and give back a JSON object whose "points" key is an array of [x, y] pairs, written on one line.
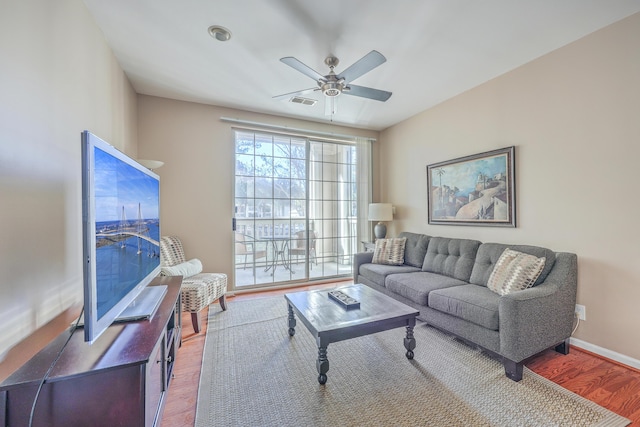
{"points": [[581, 312]]}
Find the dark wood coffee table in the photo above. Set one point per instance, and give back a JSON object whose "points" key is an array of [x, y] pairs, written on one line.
{"points": [[330, 322]]}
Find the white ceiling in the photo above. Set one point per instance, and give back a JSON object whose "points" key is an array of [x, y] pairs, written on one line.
{"points": [[435, 49]]}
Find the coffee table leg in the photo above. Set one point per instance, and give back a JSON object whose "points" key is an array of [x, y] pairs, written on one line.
{"points": [[292, 321], [322, 364], [409, 342]]}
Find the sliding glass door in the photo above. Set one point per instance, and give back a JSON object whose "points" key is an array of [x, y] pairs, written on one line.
{"points": [[295, 209]]}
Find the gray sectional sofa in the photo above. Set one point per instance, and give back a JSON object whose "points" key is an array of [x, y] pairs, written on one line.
{"points": [[446, 279]]}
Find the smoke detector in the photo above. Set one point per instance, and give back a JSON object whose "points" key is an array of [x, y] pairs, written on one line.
{"points": [[219, 33]]}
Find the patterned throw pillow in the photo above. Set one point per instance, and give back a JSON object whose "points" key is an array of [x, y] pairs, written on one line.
{"points": [[389, 251], [514, 271]]}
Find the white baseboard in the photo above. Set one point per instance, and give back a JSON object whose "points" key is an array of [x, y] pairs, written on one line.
{"points": [[609, 354]]}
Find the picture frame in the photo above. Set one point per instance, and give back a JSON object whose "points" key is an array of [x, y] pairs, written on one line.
{"points": [[473, 190]]}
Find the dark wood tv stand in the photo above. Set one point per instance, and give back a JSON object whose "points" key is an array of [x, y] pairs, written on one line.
{"points": [[119, 380]]}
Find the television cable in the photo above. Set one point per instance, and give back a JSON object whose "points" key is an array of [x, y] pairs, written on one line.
{"points": [[53, 364]]}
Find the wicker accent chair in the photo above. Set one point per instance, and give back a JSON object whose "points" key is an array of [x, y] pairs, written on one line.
{"points": [[198, 290]]}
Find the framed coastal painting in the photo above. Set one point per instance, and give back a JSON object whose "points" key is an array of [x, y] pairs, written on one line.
{"points": [[474, 190]]}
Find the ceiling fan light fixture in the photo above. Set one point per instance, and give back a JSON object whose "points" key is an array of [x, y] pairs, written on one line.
{"points": [[332, 88], [219, 33]]}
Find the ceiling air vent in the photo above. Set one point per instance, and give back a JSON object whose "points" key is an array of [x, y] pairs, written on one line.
{"points": [[303, 101]]}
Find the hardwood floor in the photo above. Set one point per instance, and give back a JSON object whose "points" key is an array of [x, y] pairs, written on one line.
{"points": [[604, 382], [607, 383], [182, 397]]}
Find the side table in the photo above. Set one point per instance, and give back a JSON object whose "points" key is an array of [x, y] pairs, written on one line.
{"points": [[369, 246]]}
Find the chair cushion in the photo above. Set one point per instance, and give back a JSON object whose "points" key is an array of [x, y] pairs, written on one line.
{"points": [[451, 257], [389, 251], [201, 290], [473, 303], [184, 269], [514, 271], [417, 286]]}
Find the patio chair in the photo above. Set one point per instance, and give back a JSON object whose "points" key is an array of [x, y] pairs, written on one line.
{"points": [[248, 246], [299, 246], [199, 290]]}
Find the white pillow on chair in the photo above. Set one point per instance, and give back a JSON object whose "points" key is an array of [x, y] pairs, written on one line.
{"points": [[185, 269]]}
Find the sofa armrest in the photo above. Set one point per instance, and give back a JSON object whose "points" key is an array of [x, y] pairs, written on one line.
{"points": [[538, 318], [359, 259]]}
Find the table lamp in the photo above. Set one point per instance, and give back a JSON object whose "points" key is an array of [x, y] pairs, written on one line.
{"points": [[380, 212]]}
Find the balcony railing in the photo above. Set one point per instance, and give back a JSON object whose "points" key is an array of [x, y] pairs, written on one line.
{"points": [[259, 228], [333, 255]]}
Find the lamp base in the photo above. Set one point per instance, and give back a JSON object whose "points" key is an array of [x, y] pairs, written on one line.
{"points": [[380, 230]]}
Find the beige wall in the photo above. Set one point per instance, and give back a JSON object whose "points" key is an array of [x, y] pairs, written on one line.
{"points": [[57, 78], [196, 182], [574, 117]]}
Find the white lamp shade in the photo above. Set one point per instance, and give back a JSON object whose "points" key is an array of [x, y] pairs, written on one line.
{"points": [[380, 212]]}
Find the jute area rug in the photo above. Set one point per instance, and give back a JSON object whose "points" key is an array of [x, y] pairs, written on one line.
{"points": [[254, 374]]}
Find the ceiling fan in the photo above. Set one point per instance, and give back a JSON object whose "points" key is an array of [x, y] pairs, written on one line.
{"points": [[332, 84]]}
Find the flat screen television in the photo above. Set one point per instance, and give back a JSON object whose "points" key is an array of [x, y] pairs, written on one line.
{"points": [[121, 232]]}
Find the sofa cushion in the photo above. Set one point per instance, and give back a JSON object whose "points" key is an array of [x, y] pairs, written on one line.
{"points": [[451, 257], [473, 303], [417, 286], [415, 249], [389, 251], [514, 271], [378, 272], [489, 253]]}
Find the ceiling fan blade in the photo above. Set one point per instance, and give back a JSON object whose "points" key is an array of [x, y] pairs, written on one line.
{"points": [[304, 69], [368, 92], [365, 64], [298, 92]]}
